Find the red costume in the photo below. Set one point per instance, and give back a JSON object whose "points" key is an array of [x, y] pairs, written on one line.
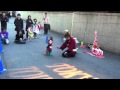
{"points": [[49, 47], [70, 44]]}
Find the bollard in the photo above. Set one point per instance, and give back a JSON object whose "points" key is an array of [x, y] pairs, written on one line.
{"points": [[2, 70]]}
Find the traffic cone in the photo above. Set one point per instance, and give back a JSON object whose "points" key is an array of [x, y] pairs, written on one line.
{"points": [[47, 38], [2, 70], [1, 51]]}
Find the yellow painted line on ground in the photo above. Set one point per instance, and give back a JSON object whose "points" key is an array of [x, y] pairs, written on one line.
{"points": [[67, 71], [28, 73]]}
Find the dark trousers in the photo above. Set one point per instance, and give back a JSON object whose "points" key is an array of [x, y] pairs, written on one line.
{"points": [[46, 27], [20, 41], [3, 40], [17, 31], [3, 26], [69, 54], [26, 34]]}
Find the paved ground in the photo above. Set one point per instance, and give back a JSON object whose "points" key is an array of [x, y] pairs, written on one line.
{"points": [[26, 61]]}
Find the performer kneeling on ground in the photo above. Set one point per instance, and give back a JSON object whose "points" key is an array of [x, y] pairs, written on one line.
{"points": [[70, 44], [4, 36], [19, 38]]}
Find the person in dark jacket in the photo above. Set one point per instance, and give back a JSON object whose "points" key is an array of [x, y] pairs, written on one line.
{"points": [[70, 44], [4, 20], [19, 38], [29, 22], [18, 23]]}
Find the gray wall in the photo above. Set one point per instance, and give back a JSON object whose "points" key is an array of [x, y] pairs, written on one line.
{"points": [[106, 24]]}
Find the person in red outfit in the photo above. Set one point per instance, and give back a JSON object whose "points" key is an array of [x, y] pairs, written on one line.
{"points": [[70, 44]]}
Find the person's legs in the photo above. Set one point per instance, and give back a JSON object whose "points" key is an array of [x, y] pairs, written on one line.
{"points": [[63, 54], [34, 34], [6, 27], [26, 34], [49, 27], [2, 27], [6, 41], [22, 41], [16, 41], [47, 52], [3, 40], [17, 31], [68, 54], [45, 28]]}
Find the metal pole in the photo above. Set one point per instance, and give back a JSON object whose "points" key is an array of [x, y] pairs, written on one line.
{"points": [[72, 23], [85, 29]]}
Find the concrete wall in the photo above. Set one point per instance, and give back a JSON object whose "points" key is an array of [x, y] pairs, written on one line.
{"points": [[106, 24]]}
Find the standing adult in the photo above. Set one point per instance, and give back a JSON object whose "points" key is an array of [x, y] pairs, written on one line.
{"points": [[46, 24], [70, 44], [4, 20], [10, 14], [18, 23], [29, 22]]}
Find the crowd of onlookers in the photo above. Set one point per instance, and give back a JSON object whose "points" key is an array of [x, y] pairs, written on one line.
{"points": [[32, 30]]}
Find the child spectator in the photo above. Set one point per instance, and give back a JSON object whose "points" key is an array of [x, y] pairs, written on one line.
{"points": [[39, 27], [4, 36], [35, 28], [30, 33], [19, 38]]}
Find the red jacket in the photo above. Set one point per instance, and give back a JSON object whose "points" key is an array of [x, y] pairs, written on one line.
{"points": [[70, 44]]}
